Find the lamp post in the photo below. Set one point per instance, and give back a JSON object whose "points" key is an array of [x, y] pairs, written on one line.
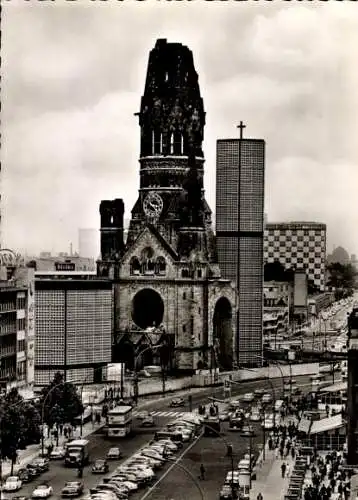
{"points": [[135, 380], [182, 467]]}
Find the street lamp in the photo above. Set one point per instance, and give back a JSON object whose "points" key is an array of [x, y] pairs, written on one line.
{"points": [[182, 467], [136, 373]]}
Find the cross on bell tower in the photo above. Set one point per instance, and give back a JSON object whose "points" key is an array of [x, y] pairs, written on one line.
{"points": [[241, 126]]}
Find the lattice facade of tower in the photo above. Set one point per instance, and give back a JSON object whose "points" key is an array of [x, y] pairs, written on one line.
{"points": [[240, 174], [298, 245], [171, 303]]}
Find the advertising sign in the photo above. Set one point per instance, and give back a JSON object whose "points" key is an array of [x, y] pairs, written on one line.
{"points": [[9, 258]]}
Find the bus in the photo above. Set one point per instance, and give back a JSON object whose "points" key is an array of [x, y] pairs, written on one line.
{"points": [[119, 421]]}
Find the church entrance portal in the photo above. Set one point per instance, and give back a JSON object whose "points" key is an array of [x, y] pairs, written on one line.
{"points": [[222, 323], [147, 308]]}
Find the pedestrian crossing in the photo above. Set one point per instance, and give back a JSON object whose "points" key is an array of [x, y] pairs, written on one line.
{"points": [[163, 413]]}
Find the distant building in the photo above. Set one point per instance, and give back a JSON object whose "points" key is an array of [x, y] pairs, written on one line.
{"points": [[240, 175], [297, 246], [63, 263], [88, 243], [73, 327], [339, 255], [17, 327], [277, 302]]}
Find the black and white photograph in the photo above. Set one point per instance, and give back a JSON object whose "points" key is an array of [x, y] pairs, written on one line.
{"points": [[179, 250]]}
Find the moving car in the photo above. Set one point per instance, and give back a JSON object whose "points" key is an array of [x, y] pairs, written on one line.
{"points": [[259, 392], [148, 422], [114, 454], [12, 483], [227, 492], [266, 398], [42, 491], [57, 453], [177, 402], [72, 489], [255, 416], [248, 397], [236, 424], [100, 467], [248, 430]]}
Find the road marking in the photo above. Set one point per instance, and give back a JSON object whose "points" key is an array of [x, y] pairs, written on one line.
{"points": [[146, 495]]}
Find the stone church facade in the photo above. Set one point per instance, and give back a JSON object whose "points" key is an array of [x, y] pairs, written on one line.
{"points": [[171, 305]]}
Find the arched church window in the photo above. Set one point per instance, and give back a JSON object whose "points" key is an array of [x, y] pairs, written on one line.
{"points": [[157, 138], [166, 76], [147, 261], [161, 265], [171, 143], [185, 273], [134, 266], [184, 295], [177, 145]]}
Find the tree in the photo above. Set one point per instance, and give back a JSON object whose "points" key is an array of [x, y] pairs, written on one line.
{"points": [[341, 276], [60, 402], [19, 425]]}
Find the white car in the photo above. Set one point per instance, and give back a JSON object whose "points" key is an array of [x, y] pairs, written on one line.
{"points": [[268, 424], [42, 491], [255, 416], [12, 483], [128, 484], [57, 453], [249, 397]]}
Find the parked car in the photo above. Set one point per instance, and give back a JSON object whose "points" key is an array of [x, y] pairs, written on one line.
{"points": [[100, 467], [236, 424], [114, 454], [42, 491], [259, 392], [177, 402], [42, 464], [24, 475], [227, 492], [33, 470], [12, 483], [72, 489]]}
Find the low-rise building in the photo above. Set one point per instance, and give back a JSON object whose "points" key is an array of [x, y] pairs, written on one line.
{"points": [[17, 328], [277, 300]]}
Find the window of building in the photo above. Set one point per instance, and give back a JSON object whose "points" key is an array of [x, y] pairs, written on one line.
{"points": [[21, 324], [185, 273], [184, 295], [200, 273], [161, 265], [21, 345], [178, 143], [184, 328], [134, 266], [157, 146]]}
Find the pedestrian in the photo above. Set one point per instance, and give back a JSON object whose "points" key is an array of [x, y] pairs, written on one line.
{"points": [[65, 432], [283, 470], [61, 429], [202, 472], [259, 497]]}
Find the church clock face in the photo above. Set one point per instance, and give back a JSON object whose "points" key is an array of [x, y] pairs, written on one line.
{"points": [[153, 205]]}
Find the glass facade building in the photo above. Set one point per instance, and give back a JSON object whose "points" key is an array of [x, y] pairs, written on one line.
{"points": [[240, 181], [73, 329]]}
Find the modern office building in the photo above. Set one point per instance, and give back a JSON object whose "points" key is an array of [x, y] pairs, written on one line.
{"points": [[297, 246], [88, 243], [17, 328], [240, 176], [73, 327]]}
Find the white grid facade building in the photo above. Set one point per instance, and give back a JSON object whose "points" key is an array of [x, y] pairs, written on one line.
{"points": [[298, 245], [73, 329]]}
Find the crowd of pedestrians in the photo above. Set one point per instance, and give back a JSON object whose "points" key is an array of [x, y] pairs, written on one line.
{"points": [[327, 478]]}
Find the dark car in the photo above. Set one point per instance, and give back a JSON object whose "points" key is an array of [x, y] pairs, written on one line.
{"points": [[177, 402], [24, 475], [236, 424], [33, 470], [42, 464], [148, 422], [228, 493], [72, 489], [100, 467]]}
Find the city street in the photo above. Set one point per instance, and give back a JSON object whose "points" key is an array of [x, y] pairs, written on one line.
{"points": [[210, 450]]}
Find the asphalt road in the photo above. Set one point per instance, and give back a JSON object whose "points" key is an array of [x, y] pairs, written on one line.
{"points": [[210, 450]]}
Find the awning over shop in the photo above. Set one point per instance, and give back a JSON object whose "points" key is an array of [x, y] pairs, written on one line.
{"points": [[304, 425], [340, 386], [327, 424]]}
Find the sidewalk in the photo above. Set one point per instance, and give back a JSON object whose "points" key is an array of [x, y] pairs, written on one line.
{"points": [[269, 481]]}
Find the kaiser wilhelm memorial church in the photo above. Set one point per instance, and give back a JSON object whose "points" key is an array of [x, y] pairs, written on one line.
{"points": [[171, 306]]}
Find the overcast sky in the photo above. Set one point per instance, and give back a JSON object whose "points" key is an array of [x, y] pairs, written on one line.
{"points": [[73, 75]]}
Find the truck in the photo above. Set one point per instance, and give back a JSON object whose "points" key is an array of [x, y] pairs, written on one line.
{"points": [[77, 453]]}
